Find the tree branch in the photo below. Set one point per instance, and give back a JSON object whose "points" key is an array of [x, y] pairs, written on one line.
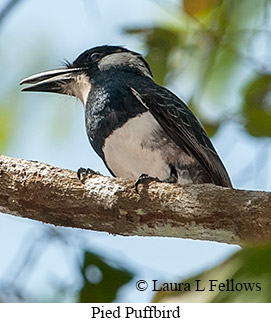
{"points": [[49, 194], [7, 9]]}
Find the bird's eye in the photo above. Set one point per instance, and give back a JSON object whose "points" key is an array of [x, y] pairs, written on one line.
{"points": [[94, 56]]}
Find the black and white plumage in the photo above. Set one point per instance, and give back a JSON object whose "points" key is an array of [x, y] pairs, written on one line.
{"points": [[136, 126]]}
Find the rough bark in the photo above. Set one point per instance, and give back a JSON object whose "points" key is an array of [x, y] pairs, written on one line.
{"points": [[49, 194]]}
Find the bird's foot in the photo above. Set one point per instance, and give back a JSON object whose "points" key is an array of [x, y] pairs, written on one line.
{"points": [[145, 179], [83, 173], [171, 180]]}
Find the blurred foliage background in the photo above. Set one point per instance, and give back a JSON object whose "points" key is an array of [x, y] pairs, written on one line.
{"points": [[215, 54]]}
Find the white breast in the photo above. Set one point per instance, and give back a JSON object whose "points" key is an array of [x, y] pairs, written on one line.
{"points": [[129, 151]]}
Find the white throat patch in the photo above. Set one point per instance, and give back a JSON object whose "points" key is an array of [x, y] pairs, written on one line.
{"points": [[79, 88]]}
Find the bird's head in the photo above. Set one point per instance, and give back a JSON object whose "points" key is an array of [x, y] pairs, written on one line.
{"points": [[76, 79]]}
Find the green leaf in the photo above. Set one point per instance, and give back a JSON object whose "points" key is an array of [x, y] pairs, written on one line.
{"points": [[210, 128], [160, 43], [101, 280], [257, 106], [197, 7], [244, 277], [8, 122]]}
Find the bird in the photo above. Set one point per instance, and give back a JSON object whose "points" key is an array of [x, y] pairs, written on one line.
{"points": [[140, 130]]}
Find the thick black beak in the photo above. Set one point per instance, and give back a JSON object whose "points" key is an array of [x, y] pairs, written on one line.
{"points": [[52, 81]]}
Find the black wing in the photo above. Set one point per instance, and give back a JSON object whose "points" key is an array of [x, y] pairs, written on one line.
{"points": [[182, 126]]}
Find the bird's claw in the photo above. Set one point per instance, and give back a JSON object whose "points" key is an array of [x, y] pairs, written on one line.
{"points": [[83, 173], [145, 179]]}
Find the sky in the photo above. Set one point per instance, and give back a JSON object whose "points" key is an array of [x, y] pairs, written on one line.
{"points": [[37, 36]]}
